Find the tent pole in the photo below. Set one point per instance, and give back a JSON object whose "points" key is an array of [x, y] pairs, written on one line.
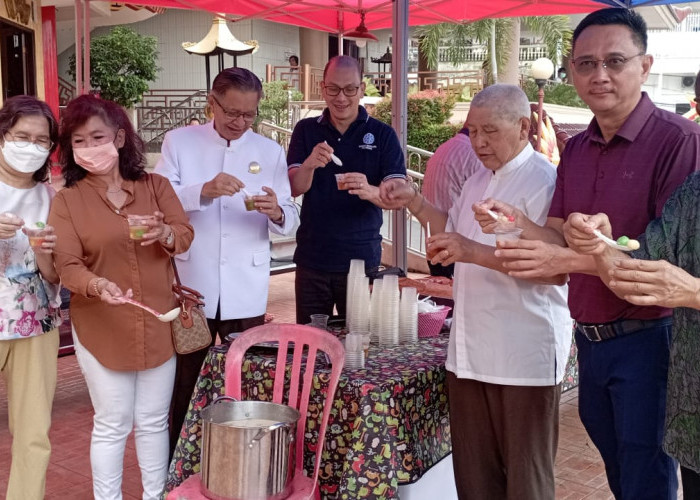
{"points": [[86, 46], [341, 29], [78, 47], [399, 90]]}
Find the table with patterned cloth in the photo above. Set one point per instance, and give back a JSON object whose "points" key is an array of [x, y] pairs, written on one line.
{"points": [[389, 422]]}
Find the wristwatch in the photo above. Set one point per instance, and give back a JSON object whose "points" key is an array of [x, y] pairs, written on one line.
{"points": [[170, 239]]}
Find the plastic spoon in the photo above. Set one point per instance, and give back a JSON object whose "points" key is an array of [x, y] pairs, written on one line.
{"points": [[500, 217], [631, 244], [335, 159], [165, 318]]}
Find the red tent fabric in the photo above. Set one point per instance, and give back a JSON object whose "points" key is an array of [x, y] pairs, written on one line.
{"points": [[339, 16]]}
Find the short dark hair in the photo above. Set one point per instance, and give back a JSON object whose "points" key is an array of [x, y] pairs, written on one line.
{"points": [[237, 78], [25, 105], [343, 62], [132, 160], [624, 17], [295, 58], [697, 84]]}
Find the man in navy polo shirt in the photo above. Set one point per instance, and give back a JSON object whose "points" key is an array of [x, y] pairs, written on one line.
{"points": [[338, 225]]}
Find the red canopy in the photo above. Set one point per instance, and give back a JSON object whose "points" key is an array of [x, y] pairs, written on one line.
{"points": [[342, 15]]}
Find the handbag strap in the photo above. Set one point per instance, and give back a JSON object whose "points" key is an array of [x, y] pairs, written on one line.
{"points": [[177, 276]]}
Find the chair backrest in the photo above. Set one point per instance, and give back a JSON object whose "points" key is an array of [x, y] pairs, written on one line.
{"points": [[306, 340]]}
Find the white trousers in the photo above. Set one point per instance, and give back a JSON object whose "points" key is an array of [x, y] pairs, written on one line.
{"points": [[126, 400]]}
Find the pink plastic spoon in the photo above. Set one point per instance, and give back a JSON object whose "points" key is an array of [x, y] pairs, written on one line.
{"points": [[165, 318]]}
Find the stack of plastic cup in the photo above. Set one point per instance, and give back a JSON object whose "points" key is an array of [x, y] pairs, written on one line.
{"points": [[354, 353], [389, 314], [356, 281], [408, 316], [375, 309], [359, 316]]}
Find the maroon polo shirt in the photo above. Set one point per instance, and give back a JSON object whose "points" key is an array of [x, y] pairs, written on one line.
{"points": [[629, 178]]}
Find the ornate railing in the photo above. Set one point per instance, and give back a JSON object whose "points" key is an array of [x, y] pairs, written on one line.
{"points": [[477, 53], [163, 110], [66, 91]]}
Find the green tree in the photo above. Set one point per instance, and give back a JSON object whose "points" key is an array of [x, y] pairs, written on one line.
{"points": [[122, 65], [274, 104], [554, 30]]}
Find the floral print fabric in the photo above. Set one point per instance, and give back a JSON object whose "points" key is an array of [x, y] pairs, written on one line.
{"points": [[675, 237]]}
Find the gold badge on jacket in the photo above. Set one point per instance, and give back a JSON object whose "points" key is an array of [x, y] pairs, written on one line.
{"points": [[254, 167]]}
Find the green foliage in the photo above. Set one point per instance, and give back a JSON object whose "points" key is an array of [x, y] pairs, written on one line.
{"points": [[555, 93], [122, 64], [430, 137], [370, 89], [427, 114], [273, 107]]}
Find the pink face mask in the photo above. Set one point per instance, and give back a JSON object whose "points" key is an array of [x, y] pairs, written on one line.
{"points": [[97, 159]]}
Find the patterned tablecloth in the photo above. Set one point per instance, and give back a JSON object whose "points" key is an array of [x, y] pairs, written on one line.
{"points": [[389, 422]]}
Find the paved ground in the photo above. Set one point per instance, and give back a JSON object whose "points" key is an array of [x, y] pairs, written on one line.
{"points": [[579, 470]]}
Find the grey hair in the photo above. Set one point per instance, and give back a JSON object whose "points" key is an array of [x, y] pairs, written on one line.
{"points": [[240, 79], [505, 100]]}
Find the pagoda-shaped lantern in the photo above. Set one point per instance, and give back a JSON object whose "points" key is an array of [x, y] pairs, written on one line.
{"points": [[383, 83], [220, 41]]}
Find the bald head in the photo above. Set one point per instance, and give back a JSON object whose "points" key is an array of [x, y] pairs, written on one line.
{"points": [[343, 62], [507, 101]]}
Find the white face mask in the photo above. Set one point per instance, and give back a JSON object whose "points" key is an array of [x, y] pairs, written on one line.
{"points": [[27, 159]]}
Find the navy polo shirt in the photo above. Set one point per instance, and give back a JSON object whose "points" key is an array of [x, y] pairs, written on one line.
{"points": [[335, 225]]}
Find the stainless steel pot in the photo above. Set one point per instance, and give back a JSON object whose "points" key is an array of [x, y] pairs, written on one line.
{"points": [[247, 450]]}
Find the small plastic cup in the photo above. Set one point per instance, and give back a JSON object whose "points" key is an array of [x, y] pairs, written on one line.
{"points": [[507, 233], [319, 321], [249, 203], [36, 236], [340, 180], [138, 226]]}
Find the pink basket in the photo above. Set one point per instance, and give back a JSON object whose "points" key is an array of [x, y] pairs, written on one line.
{"points": [[430, 324]]}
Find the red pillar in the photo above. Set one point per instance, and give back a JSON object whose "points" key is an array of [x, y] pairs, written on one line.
{"points": [[48, 31]]}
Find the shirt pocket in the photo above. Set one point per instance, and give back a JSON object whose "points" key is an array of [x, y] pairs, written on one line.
{"points": [[261, 258]]}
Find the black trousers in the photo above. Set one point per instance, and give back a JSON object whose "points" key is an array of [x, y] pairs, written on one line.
{"points": [[189, 366]]}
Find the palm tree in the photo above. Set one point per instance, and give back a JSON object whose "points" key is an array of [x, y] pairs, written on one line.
{"points": [[554, 30]]}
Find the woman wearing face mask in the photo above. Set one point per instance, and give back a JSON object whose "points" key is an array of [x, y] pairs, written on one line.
{"points": [[126, 355], [29, 300]]}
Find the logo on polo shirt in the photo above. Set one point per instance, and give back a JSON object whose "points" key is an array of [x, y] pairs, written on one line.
{"points": [[368, 141]]}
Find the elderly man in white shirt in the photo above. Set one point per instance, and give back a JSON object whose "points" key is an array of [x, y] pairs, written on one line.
{"points": [[445, 173], [213, 168], [510, 338]]}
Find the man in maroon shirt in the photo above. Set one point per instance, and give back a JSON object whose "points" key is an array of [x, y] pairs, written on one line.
{"points": [[626, 164]]}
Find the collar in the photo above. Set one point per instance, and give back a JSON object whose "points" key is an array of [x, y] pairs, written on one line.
{"points": [[325, 118], [517, 162], [632, 126], [97, 183], [218, 140], [464, 131]]}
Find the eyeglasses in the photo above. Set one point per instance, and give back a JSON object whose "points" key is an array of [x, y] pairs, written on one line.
{"points": [[235, 115], [333, 91], [42, 144], [613, 64]]}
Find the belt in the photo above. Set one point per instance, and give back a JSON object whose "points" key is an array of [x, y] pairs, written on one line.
{"points": [[605, 331]]}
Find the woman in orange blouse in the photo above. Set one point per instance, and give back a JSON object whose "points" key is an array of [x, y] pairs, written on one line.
{"points": [[126, 354]]}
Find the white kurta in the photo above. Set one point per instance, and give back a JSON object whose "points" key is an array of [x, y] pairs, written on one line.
{"points": [[229, 260], [505, 330]]}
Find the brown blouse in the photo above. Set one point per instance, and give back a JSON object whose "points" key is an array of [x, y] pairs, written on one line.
{"points": [[93, 241]]}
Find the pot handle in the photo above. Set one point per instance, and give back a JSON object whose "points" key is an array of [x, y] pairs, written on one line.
{"points": [[223, 398], [263, 432]]}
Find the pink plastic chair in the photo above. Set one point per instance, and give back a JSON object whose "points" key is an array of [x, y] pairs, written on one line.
{"points": [[300, 385]]}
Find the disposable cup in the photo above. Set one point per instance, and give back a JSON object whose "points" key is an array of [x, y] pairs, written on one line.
{"points": [[319, 321], [36, 236], [507, 234], [340, 180], [138, 225]]}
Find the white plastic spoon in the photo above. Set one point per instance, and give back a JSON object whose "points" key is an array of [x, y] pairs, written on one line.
{"points": [[165, 318], [335, 159], [631, 244]]}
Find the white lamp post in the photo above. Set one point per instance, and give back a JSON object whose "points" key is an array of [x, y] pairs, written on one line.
{"points": [[541, 70]]}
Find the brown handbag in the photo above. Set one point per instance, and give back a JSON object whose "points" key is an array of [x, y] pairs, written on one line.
{"points": [[190, 330]]}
